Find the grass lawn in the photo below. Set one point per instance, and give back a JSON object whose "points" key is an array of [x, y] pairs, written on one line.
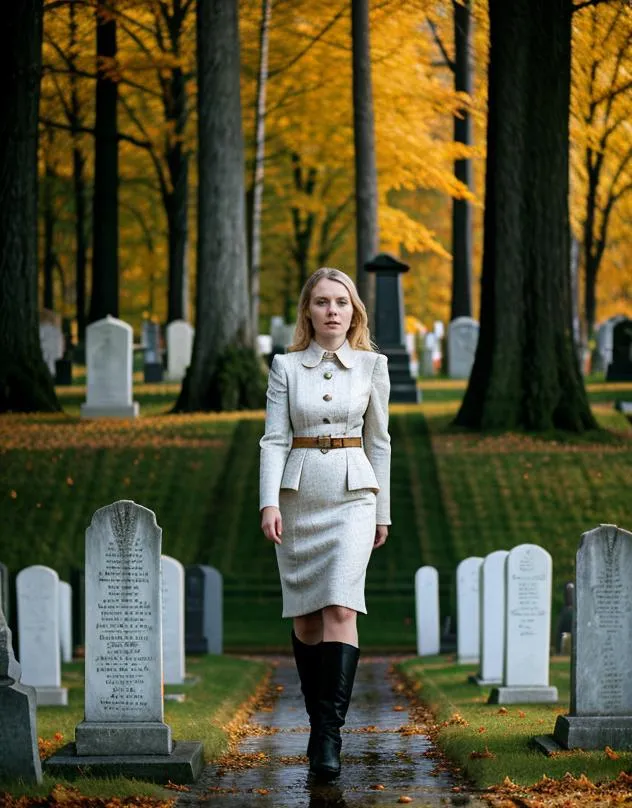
{"points": [[489, 742], [454, 494], [217, 697]]}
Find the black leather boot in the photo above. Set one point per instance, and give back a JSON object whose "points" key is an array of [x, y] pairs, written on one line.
{"points": [[307, 658], [339, 662]]}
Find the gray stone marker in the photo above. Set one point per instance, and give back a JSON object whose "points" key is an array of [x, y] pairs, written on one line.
{"points": [[51, 342], [467, 610], [19, 754], [427, 611], [123, 732], [527, 628], [109, 353], [4, 589], [601, 656], [492, 610], [204, 610], [462, 342], [37, 589], [179, 349], [172, 579], [153, 371], [65, 621]]}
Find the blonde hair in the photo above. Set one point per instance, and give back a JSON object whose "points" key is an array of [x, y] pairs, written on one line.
{"points": [[358, 335]]}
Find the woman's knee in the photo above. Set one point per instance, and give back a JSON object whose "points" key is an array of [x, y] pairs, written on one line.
{"points": [[309, 627], [339, 615]]}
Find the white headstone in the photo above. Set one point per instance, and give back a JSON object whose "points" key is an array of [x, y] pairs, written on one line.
{"points": [[462, 342], [467, 610], [528, 571], [172, 577], [604, 339], [492, 627], [428, 357], [427, 611], [438, 329], [264, 344], [123, 679], [65, 621], [37, 590], [52, 344], [601, 692], [179, 349], [109, 368], [277, 332]]}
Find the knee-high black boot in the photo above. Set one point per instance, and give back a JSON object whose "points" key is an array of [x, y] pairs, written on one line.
{"points": [[339, 662], [307, 658]]}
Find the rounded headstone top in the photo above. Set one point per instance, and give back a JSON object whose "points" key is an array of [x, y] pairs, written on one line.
{"points": [[385, 262]]}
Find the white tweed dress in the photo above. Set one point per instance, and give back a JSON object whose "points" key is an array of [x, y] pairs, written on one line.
{"points": [[330, 500]]}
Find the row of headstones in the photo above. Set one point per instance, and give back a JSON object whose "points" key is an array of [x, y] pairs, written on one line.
{"points": [[504, 620], [131, 619], [192, 622]]}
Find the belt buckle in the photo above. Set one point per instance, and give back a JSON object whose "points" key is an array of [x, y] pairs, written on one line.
{"points": [[324, 441]]}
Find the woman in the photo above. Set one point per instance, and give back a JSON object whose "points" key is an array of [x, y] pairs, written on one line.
{"points": [[325, 467]]}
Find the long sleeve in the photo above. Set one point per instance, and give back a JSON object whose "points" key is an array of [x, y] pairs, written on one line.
{"points": [[377, 441], [277, 440]]}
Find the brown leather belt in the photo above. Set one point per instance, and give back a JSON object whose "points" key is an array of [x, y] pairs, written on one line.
{"points": [[326, 442]]}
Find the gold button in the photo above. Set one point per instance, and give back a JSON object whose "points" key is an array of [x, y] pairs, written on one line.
{"points": [[327, 397], [328, 375]]}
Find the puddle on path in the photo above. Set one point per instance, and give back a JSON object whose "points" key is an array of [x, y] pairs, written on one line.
{"points": [[273, 769]]}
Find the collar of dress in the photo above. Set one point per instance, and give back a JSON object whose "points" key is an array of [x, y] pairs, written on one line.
{"points": [[313, 355]]}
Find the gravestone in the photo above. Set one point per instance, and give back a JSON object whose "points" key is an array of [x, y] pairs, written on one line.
{"points": [[4, 589], [123, 732], [462, 342], [172, 578], [428, 355], [109, 370], [19, 754], [152, 355], [51, 339], [427, 611], [528, 570], [467, 610], [264, 344], [492, 618], [620, 369], [37, 589], [179, 349], [65, 621], [601, 656], [204, 619], [602, 355], [564, 624], [388, 332]]}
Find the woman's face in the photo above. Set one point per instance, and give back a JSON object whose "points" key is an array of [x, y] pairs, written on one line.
{"points": [[330, 310]]}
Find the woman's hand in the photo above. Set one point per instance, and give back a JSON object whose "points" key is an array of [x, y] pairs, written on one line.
{"points": [[381, 532], [272, 523]]}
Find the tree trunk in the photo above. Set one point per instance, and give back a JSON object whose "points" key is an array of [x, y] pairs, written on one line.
{"points": [[526, 373], [48, 294], [104, 299], [25, 383], [79, 186], [176, 201], [367, 239], [222, 314], [258, 168], [461, 208]]}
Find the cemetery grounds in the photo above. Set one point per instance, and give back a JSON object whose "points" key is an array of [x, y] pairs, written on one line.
{"points": [[455, 494]]}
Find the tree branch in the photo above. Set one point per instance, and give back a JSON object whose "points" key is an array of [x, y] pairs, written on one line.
{"points": [[435, 33]]}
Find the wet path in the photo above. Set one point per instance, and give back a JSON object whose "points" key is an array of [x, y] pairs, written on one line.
{"points": [[270, 770]]}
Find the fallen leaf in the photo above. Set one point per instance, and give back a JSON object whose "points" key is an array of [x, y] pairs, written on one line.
{"points": [[378, 787], [404, 798], [610, 753]]}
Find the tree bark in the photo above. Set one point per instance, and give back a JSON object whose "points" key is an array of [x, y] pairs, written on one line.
{"points": [[48, 294], [222, 314], [258, 168], [25, 383], [526, 373], [79, 185], [461, 208], [367, 238], [104, 298]]}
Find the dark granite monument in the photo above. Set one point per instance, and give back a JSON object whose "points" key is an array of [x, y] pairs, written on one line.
{"points": [[389, 325], [620, 369]]}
